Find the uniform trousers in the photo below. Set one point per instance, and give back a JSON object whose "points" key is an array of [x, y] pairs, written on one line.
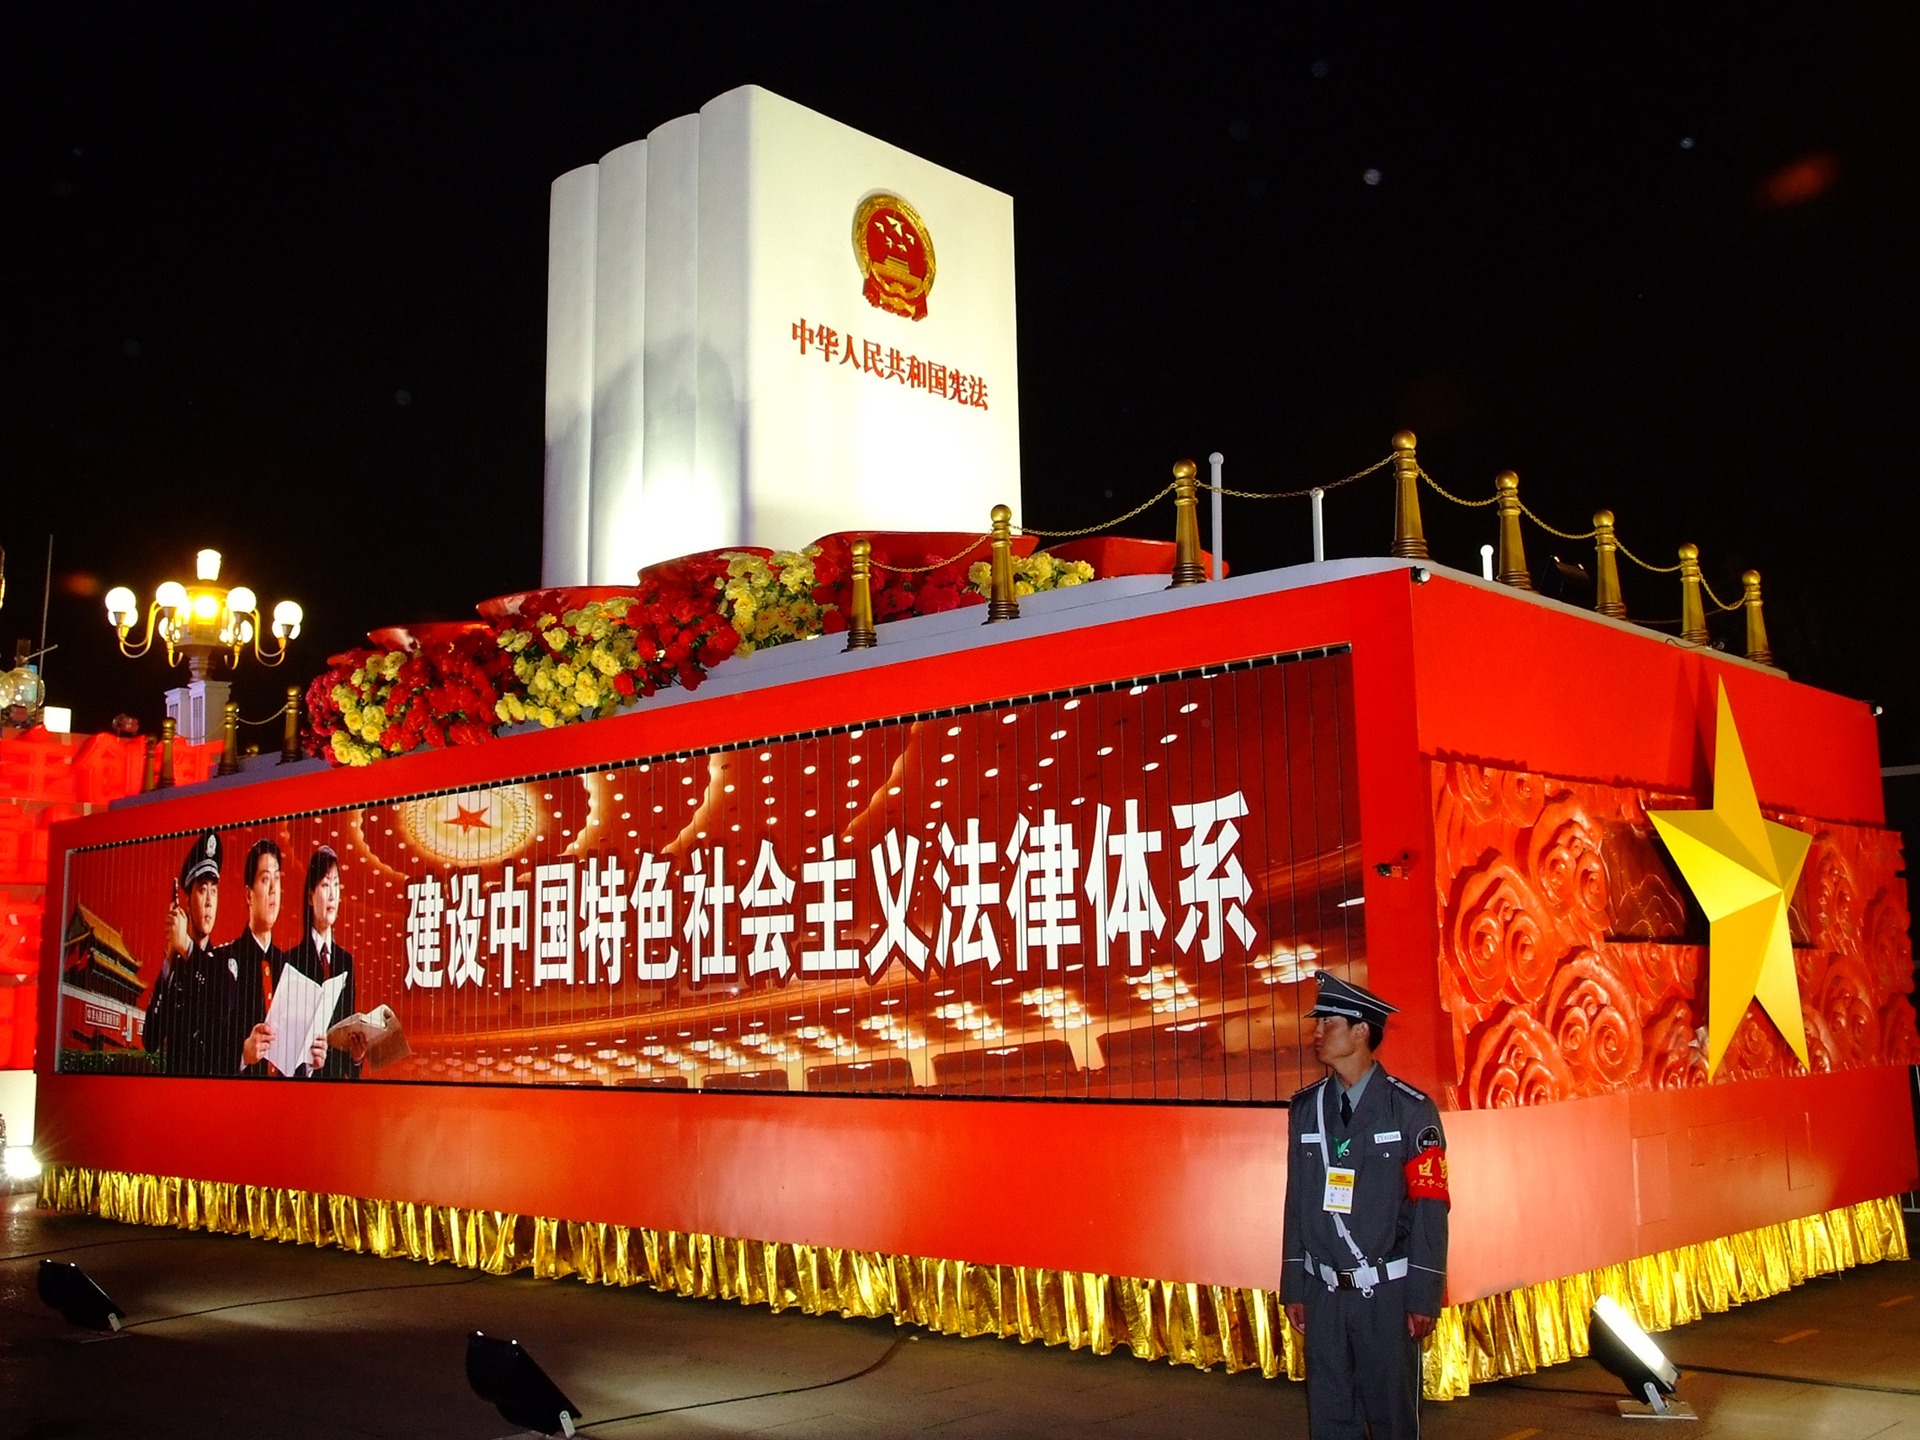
{"points": [[1363, 1370]]}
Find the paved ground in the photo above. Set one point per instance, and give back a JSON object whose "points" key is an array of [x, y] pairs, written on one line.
{"points": [[242, 1338]]}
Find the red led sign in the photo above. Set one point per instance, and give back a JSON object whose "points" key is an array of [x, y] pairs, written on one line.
{"points": [[1104, 894]]}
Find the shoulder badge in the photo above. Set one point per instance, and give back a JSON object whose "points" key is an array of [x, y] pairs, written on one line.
{"points": [[1402, 1086], [1306, 1090]]}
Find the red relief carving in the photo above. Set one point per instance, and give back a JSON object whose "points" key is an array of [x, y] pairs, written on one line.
{"points": [[1594, 1016], [1496, 936], [1567, 966], [1516, 1062], [1673, 1051], [1885, 938]]}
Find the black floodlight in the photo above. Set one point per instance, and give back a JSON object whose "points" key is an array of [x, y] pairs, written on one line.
{"points": [[504, 1375], [69, 1289], [1624, 1351]]}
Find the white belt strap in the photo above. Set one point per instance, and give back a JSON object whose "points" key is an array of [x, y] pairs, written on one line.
{"points": [[1326, 1163], [1362, 1277]]}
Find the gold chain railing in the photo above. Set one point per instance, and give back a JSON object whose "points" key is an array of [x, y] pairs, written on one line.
{"points": [[1695, 593], [1140, 509], [1302, 494], [971, 546], [1409, 542]]}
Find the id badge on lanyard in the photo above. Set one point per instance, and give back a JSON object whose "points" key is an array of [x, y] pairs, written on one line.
{"points": [[1339, 1197]]}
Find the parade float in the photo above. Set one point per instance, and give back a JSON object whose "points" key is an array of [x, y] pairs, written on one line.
{"points": [[914, 922]]}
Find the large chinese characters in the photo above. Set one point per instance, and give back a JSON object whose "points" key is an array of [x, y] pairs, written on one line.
{"points": [[592, 921], [1106, 893]]}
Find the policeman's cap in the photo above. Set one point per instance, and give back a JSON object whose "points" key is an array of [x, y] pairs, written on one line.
{"points": [[202, 862], [1349, 1001]]}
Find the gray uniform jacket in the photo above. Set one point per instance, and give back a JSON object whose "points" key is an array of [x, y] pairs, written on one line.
{"points": [[1393, 1124]]}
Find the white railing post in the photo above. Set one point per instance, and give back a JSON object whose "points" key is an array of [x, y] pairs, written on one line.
{"points": [[1216, 460]]}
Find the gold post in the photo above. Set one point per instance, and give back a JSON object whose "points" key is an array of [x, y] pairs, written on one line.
{"points": [[1002, 604], [1513, 555], [290, 737], [860, 634], [230, 739], [1693, 614], [1409, 537], [1187, 569], [165, 782], [1606, 567], [1758, 650], [146, 764]]}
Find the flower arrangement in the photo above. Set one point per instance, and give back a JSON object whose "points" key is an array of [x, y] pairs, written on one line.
{"points": [[559, 662], [1032, 574], [770, 600], [581, 662], [381, 702]]}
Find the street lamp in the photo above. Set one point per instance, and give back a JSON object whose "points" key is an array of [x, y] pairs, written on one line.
{"points": [[200, 624], [203, 621]]}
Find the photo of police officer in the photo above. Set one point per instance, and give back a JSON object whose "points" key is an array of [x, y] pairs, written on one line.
{"points": [[190, 1021]]}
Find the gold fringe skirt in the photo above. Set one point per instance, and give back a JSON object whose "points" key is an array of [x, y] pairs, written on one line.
{"points": [[1514, 1333]]}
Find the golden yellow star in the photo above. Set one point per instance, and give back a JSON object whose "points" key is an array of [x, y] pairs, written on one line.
{"points": [[1742, 868]]}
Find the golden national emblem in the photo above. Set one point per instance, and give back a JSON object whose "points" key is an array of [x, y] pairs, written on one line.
{"points": [[895, 255]]}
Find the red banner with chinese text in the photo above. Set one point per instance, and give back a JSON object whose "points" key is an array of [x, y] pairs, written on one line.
{"points": [[1109, 893]]}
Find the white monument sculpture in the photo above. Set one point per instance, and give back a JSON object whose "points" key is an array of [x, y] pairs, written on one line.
{"points": [[764, 326]]}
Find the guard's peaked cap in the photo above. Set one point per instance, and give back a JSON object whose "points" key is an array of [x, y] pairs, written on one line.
{"points": [[1350, 1001]]}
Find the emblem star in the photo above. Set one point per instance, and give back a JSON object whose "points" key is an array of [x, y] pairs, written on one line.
{"points": [[466, 819], [1742, 868]]}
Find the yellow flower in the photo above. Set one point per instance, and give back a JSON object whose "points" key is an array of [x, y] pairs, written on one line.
{"points": [[372, 721], [547, 717]]}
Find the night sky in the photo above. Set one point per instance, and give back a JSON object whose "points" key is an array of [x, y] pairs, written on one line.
{"points": [[278, 287]]}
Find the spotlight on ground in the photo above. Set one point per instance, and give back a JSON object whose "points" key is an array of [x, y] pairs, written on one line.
{"points": [[504, 1375], [69, 1289], [1625, 1352]]}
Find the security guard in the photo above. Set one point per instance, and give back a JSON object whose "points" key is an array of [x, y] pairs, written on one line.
{"points": [[1366, 1225]]}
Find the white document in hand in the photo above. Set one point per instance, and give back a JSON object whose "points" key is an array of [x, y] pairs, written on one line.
{"points": [[299, 1014]]}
